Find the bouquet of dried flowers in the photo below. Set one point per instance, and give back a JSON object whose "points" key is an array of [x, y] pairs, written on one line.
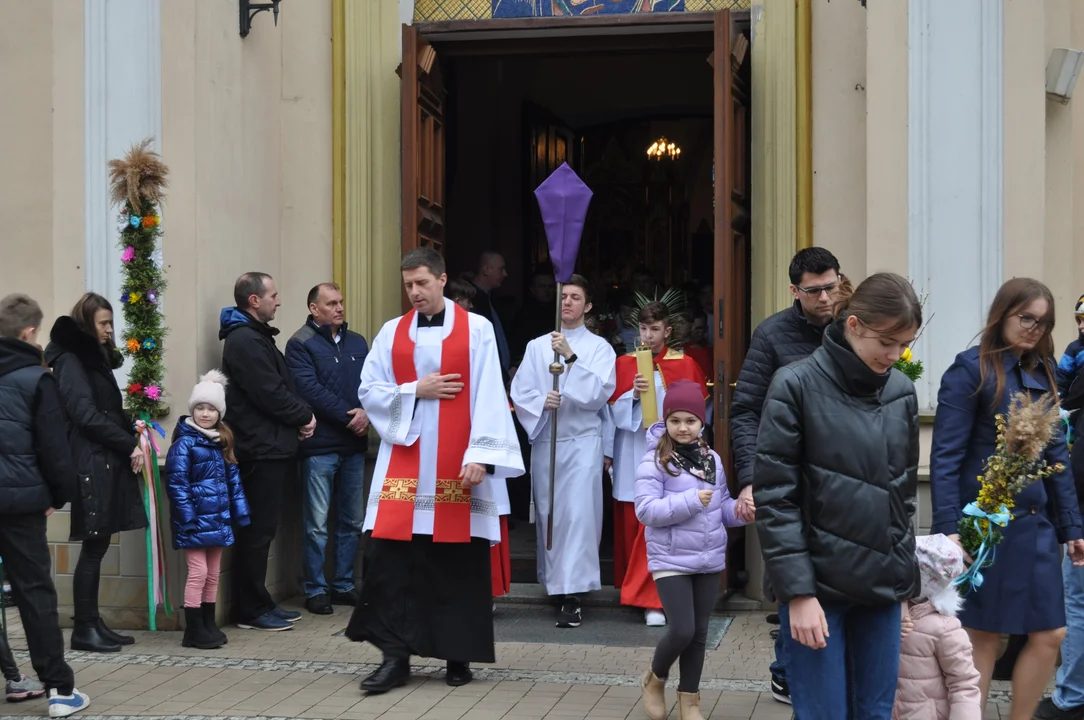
{"points": [[1022, 437]]}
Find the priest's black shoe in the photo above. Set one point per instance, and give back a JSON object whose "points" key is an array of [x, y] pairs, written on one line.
{"points": [[392, 673], [458, 673], [86, 637]]}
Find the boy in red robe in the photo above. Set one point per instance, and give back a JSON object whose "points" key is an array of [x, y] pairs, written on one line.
{"points": [[630, 444]]}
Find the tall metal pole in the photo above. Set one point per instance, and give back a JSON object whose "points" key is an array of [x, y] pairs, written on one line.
{"points": [[556, 368]]}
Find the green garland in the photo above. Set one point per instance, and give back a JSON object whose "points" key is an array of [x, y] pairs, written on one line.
{"points": [[136, 183], [144, 331]]}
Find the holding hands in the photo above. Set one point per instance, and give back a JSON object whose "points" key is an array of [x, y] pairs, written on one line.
{"points": [[305, 431], [746, 509], [359, 422]]}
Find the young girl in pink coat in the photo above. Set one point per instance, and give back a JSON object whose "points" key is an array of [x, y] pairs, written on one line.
{"points": [[938, 679]]}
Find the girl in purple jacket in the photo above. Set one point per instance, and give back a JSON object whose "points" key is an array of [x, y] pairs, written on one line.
{"points": [[682, 499]]}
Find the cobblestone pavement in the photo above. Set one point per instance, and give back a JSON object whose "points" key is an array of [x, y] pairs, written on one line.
{"points": [[313, 672]]}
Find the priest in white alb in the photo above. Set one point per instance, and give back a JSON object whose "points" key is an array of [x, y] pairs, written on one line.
{"points": [[432, 387], [586, 383]]}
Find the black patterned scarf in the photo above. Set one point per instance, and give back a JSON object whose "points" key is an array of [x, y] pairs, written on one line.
{"points": [[696, 459]]}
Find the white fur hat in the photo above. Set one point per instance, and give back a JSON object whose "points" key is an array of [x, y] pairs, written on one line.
{"points": [[211, 389], [940, 561]]}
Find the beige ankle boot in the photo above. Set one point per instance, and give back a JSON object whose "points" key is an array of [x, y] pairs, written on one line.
{"points": [[689, 706], [654, 693]]}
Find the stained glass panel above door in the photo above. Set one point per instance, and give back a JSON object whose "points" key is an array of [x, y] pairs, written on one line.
{"points": [[439, 10]]}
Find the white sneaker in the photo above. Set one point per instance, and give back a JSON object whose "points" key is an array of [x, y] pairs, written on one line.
{"points": [[654, 618], [64, 705]]}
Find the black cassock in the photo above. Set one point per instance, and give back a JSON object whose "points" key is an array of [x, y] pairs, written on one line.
{"points": [[427, 599]]}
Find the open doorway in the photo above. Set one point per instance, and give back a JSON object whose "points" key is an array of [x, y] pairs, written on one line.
{"points": [[488, 115]]}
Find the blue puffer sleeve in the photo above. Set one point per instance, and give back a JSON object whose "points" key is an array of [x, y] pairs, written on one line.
{"points": [[178, 481], [238, 501]]}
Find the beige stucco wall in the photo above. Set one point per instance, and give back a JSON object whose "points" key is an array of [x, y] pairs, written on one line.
{"points": [[246, 131]]}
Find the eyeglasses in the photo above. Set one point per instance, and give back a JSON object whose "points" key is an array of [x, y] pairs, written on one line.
{"points": [[815, 292], [1028, 322]]}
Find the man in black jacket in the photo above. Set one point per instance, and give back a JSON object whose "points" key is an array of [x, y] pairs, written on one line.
{"points": [[326, 358], [788, 336], [37, 476], [490, 276], [268, 420]]}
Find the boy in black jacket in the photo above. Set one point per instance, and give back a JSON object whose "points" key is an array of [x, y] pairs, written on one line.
{"points": [[37, 476]]}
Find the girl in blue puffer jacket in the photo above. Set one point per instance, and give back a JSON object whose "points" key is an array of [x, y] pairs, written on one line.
{"points": [[682, 499], [205, 499]]}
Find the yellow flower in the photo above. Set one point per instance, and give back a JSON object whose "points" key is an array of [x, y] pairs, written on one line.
{"points": [[133, 298], [906, 355]]}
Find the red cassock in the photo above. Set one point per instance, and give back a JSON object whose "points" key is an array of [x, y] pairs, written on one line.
{"points": [[631, 575], [500, 562]]}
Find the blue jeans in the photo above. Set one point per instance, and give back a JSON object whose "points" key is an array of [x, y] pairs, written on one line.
{"points": [[779, 665], [1069, 694], [854, 677], [318, 474]]}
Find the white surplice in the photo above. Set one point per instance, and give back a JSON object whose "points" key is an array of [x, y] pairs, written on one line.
{"points": [[572, 565], [630, 439], [401, 418]]}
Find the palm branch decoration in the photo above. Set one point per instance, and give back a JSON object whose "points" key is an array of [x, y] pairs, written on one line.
{"points": [[676, 302]]}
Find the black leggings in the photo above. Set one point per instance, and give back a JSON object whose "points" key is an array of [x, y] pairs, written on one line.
{"points": [[688, 601], [88, 574]]}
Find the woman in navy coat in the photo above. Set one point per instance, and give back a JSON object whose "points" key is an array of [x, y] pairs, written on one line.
{"points": [[1022, 592]]}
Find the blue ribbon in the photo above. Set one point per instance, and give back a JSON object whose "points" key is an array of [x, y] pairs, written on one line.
{"points": [[973, 575], [159, 428]]}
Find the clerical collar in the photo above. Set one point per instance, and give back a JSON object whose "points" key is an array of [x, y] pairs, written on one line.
{"points": [[436, 321], [574, 331]]}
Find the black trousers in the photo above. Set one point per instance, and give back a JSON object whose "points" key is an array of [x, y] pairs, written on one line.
{"points": [[8, 668], [26, 565], [688, 601], [264, 482], [88, 577]]}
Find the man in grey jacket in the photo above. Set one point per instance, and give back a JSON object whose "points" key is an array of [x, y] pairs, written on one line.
{"points": [[788, 336]]}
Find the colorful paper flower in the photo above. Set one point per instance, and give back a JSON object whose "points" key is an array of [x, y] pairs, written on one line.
{"points": [[124, 298], [133, 345], [133, 298], [149, 344], [148, 222], [134, 221], [157, 258], [152, 297], [128, 255], [135, 388], [153, 392], [906, 355]]}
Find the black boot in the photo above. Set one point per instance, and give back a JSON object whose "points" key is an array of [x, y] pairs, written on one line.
{"points": [[195, 632], [112, 636], [458, 673], [392, 673], [86, 637], [208, 612]]}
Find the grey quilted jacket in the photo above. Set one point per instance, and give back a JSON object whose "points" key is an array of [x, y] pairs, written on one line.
{"points": [[783, 338]]}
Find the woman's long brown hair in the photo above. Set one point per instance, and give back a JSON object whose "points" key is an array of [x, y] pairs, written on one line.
{"points": [[1011, 299], [83, 314]]}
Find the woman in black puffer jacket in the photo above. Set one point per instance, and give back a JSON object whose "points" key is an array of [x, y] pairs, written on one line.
{"points": [[106, 454], [834, 484]]}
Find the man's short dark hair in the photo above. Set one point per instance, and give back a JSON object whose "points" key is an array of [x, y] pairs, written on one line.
{"points": [[314, 294], [582, 283], [249, 284], [17, 313], [425, 257], [812, 260]]}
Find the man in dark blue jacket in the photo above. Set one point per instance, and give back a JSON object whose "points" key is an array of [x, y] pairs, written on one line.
{"points": [[37, 476], [325, 359]]}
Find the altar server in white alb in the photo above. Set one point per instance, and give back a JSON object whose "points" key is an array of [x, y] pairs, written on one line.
{"points": [[587, 382], [432, 386]]}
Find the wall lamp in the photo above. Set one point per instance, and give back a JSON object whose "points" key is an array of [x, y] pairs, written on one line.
{"points": [[249, 10]]}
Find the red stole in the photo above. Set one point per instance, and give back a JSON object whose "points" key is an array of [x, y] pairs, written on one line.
{"points": [[673, 365], [451, 512]]}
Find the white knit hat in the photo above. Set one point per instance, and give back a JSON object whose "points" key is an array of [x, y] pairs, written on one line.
{"points": [[940, 562], [211, 389]]}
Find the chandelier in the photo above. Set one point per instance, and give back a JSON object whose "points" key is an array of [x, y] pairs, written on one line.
{"points": [[663, 148]]}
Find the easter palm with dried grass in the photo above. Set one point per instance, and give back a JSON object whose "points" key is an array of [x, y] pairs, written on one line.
{"points": [[675, 301], [137, 182], [1022, 438]]}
